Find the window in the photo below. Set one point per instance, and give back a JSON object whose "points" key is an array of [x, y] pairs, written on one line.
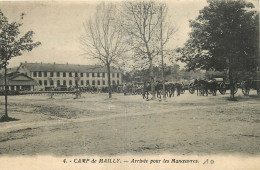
{"points": [[76, 83], [81, 83], [104, 82], [103, 74], [93, 74], [117, 82], [34, 74], [87, 82], [81, 74], [87, 74], [51, 82], [64, 74], [76, 74], [40, 74], [64, 82], [58, 74], [98, 82], [70, 82], [93, 83], [40, 82], [98, 75], [58, 82], [113, 75], [45, 74], [45, 82], [114, 82], [117, 75], [51, 74], [70, 74]]}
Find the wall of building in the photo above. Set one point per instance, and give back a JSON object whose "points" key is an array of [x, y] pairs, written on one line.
{"points": [[45, 79], [95, 79]]}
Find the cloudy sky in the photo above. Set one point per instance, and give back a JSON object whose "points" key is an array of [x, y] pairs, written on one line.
{"points": [[58, 26]]}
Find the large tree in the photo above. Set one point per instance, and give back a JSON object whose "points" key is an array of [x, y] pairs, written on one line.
{"points": [[142, 23], [103, 38], [12, 44], [225, 36]]}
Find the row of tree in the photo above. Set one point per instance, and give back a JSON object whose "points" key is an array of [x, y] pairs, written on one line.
{"points": [[225, 36], [172, 74], [138, 28]]}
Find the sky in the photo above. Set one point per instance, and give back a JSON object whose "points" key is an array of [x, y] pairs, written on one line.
{"points": [[58, 25]]}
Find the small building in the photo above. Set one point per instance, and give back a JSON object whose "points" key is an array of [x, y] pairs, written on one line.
{"points": [[18, 81]]}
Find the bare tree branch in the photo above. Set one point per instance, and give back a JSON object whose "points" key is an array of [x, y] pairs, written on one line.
{"points": [[103, 38]]}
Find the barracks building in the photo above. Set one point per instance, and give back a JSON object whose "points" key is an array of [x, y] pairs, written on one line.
{"points": [[55, 75]]}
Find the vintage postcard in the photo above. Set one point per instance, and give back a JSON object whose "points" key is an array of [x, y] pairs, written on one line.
{"points": [[129, 84]]}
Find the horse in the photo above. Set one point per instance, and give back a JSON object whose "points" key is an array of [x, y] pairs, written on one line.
{"points": [[197, 85], [204, 87], [158, 89], [169, 89], [178, 88]]}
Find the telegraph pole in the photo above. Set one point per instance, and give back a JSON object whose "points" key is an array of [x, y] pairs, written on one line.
{"points": [[163, 81]]}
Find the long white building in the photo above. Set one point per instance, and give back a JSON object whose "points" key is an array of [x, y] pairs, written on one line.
{"points": [[55, 75]]}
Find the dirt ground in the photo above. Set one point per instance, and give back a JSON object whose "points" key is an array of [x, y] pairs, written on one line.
{"points": [[96, 125]]}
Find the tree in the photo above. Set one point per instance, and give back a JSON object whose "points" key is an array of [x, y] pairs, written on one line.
{"points": [[209, 74], [175, 72], [12, 45], [142, 25], [103, 38], [225, 35], [127, 77]]}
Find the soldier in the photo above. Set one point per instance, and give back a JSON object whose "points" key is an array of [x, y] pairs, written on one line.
{"points": [[124, 89], [145, 90], [178, 88]]}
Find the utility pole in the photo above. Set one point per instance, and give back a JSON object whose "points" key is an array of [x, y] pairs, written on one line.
{"points": [[163, 81]]}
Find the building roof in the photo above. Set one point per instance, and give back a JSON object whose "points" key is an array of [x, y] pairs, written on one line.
{"points": [[9, 70], [66, 67], [18, 79]]}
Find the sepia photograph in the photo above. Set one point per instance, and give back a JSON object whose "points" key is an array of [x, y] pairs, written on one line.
{"points": [[130, 84]]}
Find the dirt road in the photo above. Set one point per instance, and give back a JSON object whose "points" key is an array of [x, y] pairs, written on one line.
{"points": [[96, 125]]}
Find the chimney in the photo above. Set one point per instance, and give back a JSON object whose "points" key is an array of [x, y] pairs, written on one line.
{"points": [[54, 63], [25, 62], [67, 63]]}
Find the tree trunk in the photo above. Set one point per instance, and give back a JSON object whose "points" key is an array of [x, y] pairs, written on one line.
{"points": [[152, 79], [109, 81], [163, 80], [232, 96], [6, 92]]}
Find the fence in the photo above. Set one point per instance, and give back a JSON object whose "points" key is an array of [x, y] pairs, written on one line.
{"points": [[15, 93], [62, 93]]}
